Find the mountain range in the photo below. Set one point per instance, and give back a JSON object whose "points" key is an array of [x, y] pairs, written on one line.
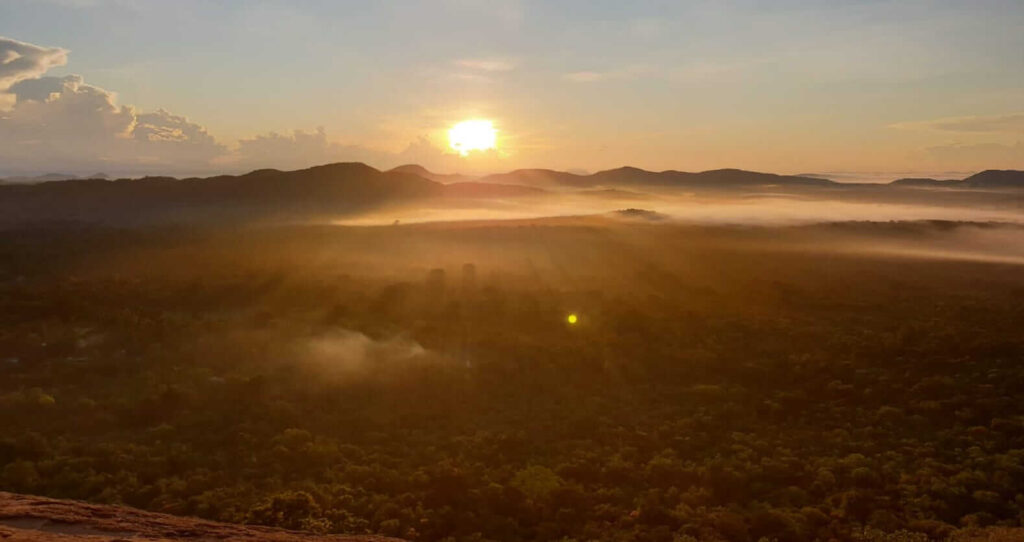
{"points": [[345, 188], [989, 179], [50, 177]]}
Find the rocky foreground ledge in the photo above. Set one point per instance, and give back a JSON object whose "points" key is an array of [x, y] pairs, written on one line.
{"points": [[25, 518]]}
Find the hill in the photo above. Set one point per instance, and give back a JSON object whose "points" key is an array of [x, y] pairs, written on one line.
{"points": [[443, 178], [988, 179], [925, 182], [631, 177], [38, 519], [348, 189], [52, 177], [541, 178], [995, 178], [323, 190]]}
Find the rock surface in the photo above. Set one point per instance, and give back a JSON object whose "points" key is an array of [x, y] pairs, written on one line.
{"points": [[38, 519]]}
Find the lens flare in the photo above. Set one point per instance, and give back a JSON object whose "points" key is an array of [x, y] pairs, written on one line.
{"points": [[472, 135]]}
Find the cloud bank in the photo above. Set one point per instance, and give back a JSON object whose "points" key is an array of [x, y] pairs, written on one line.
{"points": [[64, 124]]}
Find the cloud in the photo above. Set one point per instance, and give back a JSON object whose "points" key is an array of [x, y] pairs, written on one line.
{"points": [[62, 111], [587, 77], [629, 72], [166, 138], [20, 61], [1009, 123], [487, 64], [63, 123], [299, 149]]}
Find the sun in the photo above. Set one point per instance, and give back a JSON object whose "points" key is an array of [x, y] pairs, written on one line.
{"points": [[472, 135], [572, 319]]}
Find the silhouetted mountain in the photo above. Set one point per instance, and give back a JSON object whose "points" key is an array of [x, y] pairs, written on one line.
{"points": [[52, 177], [992, 178], [41, 178], [996, 178], [336, 190], [631, 177], [739, 177], [925, 182], [444, 178], [323, 190]]}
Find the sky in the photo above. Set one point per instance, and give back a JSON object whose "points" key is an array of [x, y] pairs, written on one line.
{"points": [[866, 88]]}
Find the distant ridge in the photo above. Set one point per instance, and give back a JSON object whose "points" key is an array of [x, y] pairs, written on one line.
{"points": [[540, 178], [442, 178], [631, 177], [52, 177], [996, 178], [322, 190], [341, 189], [927, 182], [991, 179]]}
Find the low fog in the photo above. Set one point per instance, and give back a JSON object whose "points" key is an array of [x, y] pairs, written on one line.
{"points": [[751, 209], [343, 353]]}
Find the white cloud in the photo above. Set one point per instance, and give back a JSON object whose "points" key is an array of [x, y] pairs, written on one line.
{"points": [[62, 111], [20, 61], [62, 123], [300, 149], [297, 150], [65, 124]]}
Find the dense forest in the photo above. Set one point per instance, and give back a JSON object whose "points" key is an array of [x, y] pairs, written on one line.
{"points": [[722, 384]]}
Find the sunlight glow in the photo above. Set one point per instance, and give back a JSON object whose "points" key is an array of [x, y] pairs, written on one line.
{"points": [[572, 319], [472, 135]]}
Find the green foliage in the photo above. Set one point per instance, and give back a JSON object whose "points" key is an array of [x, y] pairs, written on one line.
{"points": [[536, 482]]}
